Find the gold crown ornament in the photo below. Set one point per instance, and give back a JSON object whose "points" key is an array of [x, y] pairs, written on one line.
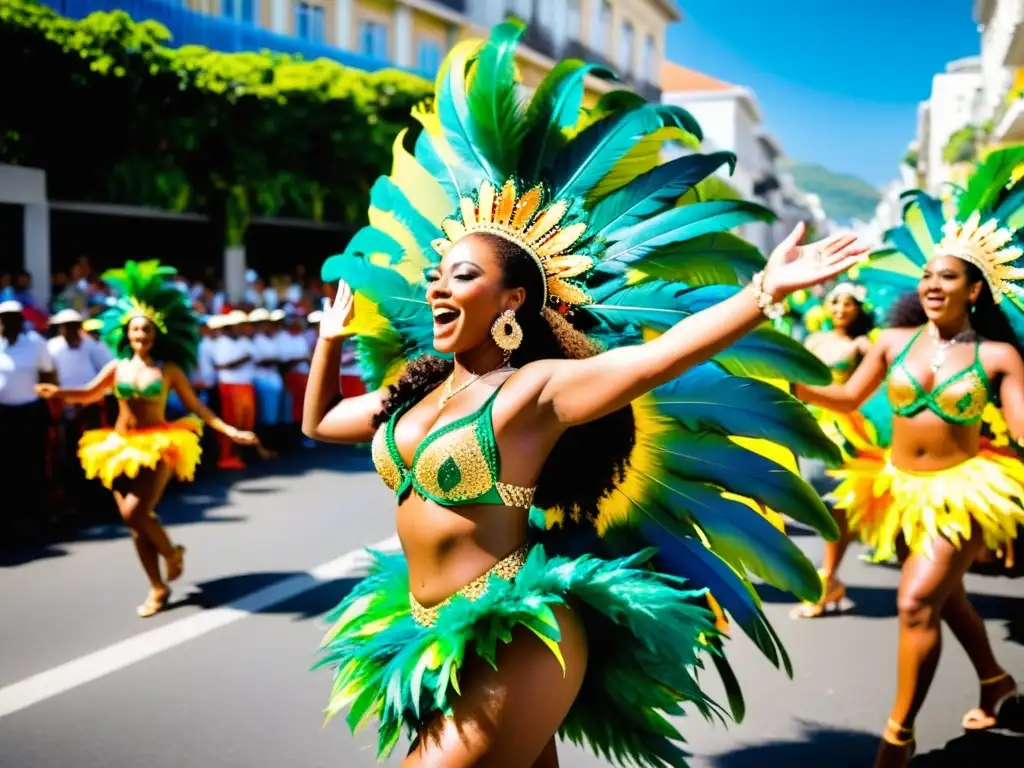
{"points": [[535, 229], [983, 246], [141, 309]]}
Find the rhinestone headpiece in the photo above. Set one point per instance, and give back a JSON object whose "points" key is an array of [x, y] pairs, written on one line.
{"points": [[857, 292], [536, 230], [141, 309], [983, 246]]}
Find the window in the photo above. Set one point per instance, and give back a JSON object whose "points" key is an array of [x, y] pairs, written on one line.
{"points": [[626, 48], [373, 39], [648, 68], [309, 22], [573, 21], [602, 37], [428, 56], [239, 10]]}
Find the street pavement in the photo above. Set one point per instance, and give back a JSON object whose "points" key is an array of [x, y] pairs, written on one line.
{"points": [[221, 680]]}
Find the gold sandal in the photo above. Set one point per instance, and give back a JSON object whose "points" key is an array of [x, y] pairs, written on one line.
{"points": [[898, 737], [830, 600], [153, 605], [978, 719]]}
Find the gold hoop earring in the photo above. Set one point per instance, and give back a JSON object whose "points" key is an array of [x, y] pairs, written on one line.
{"points": [[507, 333]]}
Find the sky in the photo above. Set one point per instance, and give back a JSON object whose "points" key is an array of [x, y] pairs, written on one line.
{"points": [[838, 81]]}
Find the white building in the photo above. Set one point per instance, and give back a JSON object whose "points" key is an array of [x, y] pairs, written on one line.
{"points": [[1001, 23], [955, 102], [731, 120]]}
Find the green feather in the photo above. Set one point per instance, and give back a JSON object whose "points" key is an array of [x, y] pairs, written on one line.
{"points": [[681, 224], [653, 192], [554, 109], [988, 181], [706, 398], [718, 258], [493, 100]]}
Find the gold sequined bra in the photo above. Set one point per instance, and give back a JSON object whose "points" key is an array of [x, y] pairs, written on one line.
{"points": [[455, 465], [960, 399]]}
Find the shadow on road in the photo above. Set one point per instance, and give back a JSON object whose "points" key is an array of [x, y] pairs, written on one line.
{"points": [[205, 501], [836, 748], [992, 748], [880, 603], [311, 603], [820, 745]]}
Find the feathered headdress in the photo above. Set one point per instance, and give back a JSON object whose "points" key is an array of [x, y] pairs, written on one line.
{"points": [[981, 223], [142, 290], [628, 246]]}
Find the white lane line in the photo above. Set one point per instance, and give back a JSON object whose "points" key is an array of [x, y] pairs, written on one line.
{"points": [[85, 669]]}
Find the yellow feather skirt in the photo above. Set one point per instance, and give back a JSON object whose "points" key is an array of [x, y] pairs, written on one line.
{"points": [[883, 502], [107, 454]]}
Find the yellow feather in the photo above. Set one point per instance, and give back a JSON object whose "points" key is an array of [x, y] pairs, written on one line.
{"points": [[562, 240], [486, 202], [526, 207], [413, 261], [506, 203], [423, 191]]}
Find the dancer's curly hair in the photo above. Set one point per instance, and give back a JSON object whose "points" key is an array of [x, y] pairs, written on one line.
{"points": [[589, 459], [863, 324]]}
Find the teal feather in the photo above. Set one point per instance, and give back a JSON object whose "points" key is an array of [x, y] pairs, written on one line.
{"points": [[493, 99], [460, 130], [653, 192], [680, 224], [719, 258], [747, 540], [386, 196], [707, 398], [693, 561], [555, 108], [650, 626], [733, 692], [452, 178], [717, 460], [589, 156]]}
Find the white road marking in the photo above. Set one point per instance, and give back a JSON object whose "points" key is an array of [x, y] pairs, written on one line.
{"points": [[85, 669]]}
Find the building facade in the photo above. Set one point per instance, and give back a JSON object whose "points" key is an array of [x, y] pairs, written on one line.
{"points": [[1001, 23], [731, 120]]}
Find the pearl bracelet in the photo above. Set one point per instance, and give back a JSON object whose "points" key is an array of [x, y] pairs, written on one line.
{"points": [[771, 310]]}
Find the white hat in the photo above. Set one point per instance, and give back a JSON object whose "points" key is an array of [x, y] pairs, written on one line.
{"points": [[277, 316], [235, 317], [66, 316], [259, 315], [11, 307], [314, 316], [214, 322]]}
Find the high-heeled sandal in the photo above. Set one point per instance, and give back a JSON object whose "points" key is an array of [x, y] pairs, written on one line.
{"points": [[978, 719], [902, 742], [176, 564], [830, 600], [153, 605]]}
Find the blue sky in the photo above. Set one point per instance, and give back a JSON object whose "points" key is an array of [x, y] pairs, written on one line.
{"points": [[838, 80]]}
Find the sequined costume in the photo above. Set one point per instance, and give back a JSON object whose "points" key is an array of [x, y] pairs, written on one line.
{"points": [[142, 288], [628, 246], [980, 225]]}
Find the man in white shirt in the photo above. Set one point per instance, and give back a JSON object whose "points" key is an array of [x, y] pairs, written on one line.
{"points": [[233, 361], [267, 374], [24, 419], [78, 359]]}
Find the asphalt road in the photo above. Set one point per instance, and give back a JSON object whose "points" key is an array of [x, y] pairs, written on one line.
{"points": [[221, 680]]}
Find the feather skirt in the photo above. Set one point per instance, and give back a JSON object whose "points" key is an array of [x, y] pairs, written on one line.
{"points": [[884, 503], [646, 631], [108, 454]]}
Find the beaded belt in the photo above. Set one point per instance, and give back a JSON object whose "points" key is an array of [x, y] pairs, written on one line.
{"points": [[504, 569]]}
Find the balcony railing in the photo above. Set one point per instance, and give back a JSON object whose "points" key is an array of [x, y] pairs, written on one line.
{"points": [[459, 6], [189, 27]]}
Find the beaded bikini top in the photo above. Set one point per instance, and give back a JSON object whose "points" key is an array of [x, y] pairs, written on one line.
{"points": [[960, 399], [455, 465]]}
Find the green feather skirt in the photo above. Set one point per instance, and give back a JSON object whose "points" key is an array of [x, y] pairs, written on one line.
{"points": [[646, 633]]}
